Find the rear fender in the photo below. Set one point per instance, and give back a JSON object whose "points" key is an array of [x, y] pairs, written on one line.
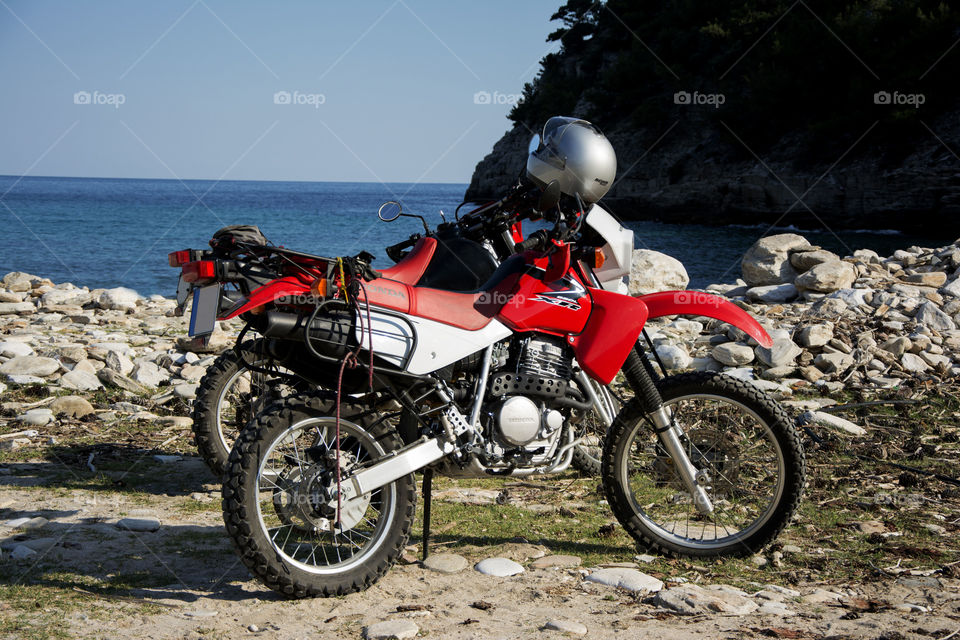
{"points": [[270, 292], [696, 303], [614, 325]]}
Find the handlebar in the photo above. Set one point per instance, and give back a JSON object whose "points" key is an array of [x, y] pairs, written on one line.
{"points": [[535, 241]]}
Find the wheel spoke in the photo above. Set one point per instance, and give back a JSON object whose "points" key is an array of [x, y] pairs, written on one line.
{"points": [[294, 486], [728, 442]]}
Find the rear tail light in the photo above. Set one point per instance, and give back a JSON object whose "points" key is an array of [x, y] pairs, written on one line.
{"points": [[199, 270], [179, 258]]}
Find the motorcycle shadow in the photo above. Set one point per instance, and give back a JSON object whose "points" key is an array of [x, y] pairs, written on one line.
{"points": [[112, 468], [96, 556], [490, 545]]}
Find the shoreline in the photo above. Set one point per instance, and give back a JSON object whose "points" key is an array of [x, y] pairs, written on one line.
{"points": [[861, 320]]}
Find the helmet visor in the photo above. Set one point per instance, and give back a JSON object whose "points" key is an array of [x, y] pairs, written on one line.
{"points": [[556, 123]]}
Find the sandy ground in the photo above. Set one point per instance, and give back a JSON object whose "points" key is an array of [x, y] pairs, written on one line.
{"points": [[189, 572]]}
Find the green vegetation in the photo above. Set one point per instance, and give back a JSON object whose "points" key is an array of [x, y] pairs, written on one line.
{"points": [[782, 67]]}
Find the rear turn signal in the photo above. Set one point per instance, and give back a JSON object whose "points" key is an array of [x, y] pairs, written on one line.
{"points": [[598, 258], [199, 270], [178, 258], [319, 288]]}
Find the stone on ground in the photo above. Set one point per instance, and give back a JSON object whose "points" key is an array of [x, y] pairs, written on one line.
{"points": [[139, 524], [772, 293], [500, 567], [80, 380], [732, 354], [928, 314], [689, 599], [36, 417], [629, 579], [72, 406], [30, 366], [830, 420], [391, 630], [120, 298], [113, 378], [804, 260], [446, 562], [827, 277], [9, 308], [22, 552], [674, 357], [12, 349], [558, 562], [782, 353], [566, 626]]}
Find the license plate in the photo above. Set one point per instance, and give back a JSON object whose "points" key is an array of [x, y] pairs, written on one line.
{"points": [[203, 316]]}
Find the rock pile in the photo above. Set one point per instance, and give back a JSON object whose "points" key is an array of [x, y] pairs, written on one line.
{"points": [[862, 320], [83, 341]]}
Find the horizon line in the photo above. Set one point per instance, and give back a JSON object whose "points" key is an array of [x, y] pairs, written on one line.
{"points": [[22, 177]]}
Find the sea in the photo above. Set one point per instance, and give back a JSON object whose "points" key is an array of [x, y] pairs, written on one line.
{"points": [[104, 233]]}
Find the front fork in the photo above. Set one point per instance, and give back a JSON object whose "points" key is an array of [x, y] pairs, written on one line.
{"points": [[637, 370]]}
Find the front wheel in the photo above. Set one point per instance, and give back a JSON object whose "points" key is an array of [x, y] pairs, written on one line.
{"points": [[745, 446], [280, 500]]}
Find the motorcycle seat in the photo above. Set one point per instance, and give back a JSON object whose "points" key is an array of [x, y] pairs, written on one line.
{"points": [[470, 310], [463, 310], [414, 264]]}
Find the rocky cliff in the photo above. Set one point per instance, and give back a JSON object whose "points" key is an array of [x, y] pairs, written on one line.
{"points": [[693, 176]]}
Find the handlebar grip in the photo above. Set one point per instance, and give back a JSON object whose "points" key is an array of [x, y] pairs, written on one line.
{"points": [[537, 240]]}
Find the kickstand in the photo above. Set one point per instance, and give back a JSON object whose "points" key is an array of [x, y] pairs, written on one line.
{"points": [[427, 491]]}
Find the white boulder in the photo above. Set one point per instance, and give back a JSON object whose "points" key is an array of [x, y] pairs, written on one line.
{"points": [[768, 260], [119, 298], [652, 271], [827, 277]]}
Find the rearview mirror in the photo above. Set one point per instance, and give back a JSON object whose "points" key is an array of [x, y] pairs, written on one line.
{"points": [[390, 211], [550, 196]]}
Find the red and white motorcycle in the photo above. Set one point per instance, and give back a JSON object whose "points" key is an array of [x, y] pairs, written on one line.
{"points": [[319, 491]]}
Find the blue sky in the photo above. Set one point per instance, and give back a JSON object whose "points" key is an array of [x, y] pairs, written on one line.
{"points": [[393, 90]]}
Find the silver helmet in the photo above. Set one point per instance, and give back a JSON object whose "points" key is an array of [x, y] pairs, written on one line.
{"points": [[575, 154]]}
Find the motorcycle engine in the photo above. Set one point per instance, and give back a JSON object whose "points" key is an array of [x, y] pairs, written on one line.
{"points": [[523, 416]]}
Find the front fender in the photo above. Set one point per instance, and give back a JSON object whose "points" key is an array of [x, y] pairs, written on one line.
{"points": [[273, 290], [614, 325], [696, 303]]}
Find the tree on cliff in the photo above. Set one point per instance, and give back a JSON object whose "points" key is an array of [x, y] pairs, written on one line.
{"points": [[824, 69]]}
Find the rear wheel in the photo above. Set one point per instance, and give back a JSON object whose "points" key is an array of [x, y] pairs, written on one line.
{"points": [[229, 396], [741, 440], [280, 501]]}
